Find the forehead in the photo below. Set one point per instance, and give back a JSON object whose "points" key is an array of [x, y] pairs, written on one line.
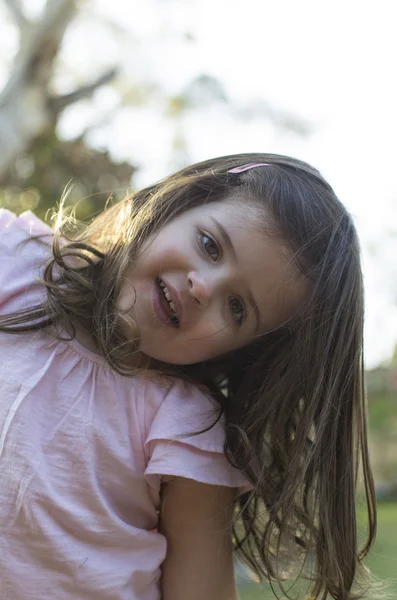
{"points": [[264, 263]]}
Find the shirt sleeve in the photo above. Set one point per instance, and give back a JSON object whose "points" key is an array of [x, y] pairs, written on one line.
{"points": [[17, 228], [21, 259], [186, 439]]}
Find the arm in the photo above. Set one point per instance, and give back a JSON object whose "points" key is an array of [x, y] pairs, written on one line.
{"points": [[195, 518]]}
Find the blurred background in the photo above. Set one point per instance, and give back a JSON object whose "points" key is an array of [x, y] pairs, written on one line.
{"points": [[112, 96]]}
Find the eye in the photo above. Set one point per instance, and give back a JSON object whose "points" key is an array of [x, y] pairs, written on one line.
{"points": [[237, 310], [209, 246]]}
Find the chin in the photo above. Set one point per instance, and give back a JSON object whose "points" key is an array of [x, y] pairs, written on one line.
{"points": [[174, 360]]}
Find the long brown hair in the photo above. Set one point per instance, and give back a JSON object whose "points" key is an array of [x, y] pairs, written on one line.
{"points": [[293, 400]]}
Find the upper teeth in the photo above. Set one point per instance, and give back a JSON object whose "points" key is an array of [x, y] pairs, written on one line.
{"points": [[168, 296]]}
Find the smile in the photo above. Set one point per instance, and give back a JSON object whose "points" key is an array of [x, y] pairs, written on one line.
{"points": [[164, 305], [168, 297]]}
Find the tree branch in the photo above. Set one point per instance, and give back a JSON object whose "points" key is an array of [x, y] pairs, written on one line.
{"points": [[40, 47], [20, 19], [59, 103], [24, 110]]}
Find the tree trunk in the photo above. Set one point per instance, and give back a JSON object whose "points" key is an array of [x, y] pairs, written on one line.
{"points": [[25, 107], [28, 110]]}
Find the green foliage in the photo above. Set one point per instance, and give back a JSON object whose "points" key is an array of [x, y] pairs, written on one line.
{"points": [[39, 177], [382, 408]]}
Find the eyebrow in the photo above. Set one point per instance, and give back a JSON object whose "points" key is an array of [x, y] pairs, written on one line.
{"points": [[229, 244]]}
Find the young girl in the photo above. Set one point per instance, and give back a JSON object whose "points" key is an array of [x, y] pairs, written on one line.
{"points": [[182, 376]]}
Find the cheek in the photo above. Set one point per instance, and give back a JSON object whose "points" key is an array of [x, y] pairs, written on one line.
{"points": [[165, 256], [170, 240], [127, 294], [211, 338], [212, 328]]}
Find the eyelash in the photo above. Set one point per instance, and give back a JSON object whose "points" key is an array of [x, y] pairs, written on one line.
{"points": [[202, 236], [242, 310]]}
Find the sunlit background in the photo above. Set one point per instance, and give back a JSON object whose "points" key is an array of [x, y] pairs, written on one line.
{"points": [[134, 90]]}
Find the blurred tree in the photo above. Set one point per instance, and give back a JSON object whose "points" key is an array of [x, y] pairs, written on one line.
{"points": [[37, 179], [36, 162], [28, 108]]}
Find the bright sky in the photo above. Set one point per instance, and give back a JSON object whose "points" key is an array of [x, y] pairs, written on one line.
{"points": [[331, 64]]}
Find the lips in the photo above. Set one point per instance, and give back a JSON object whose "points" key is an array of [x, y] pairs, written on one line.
{"points": [[169, 299], [175, 299], [161, 305]]}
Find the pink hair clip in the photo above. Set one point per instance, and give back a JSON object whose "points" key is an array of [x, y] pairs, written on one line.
{"points": [[247, 167]]}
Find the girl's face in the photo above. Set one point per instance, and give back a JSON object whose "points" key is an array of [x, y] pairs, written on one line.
{"points": [[209, 282]]}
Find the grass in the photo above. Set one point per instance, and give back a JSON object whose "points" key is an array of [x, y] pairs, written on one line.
{"points": [[382, 560], [382, 412]]}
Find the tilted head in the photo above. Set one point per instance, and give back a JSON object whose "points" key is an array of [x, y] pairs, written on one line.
{"points": [[293, 262], [212, 280]]}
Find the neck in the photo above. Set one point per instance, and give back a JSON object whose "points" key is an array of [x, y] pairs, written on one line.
{"points": [[87, 340], [84, 335]]}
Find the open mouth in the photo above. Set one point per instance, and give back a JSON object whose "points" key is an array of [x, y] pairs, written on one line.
{"points": [[168, 303]]}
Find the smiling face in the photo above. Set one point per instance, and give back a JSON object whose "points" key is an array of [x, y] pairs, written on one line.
{"points": [[209, 282]]}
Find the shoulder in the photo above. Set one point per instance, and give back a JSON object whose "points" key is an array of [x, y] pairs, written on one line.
{"points": [[20, 260], [26, 223], [182, 391], [15, 230], [185, 436], [179, 407]]}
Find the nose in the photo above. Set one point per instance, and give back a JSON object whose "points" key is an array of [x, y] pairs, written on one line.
{"points": [[201, 288]]}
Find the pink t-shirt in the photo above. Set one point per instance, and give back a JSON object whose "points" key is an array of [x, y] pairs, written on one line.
{"points": [[83, 451]]}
